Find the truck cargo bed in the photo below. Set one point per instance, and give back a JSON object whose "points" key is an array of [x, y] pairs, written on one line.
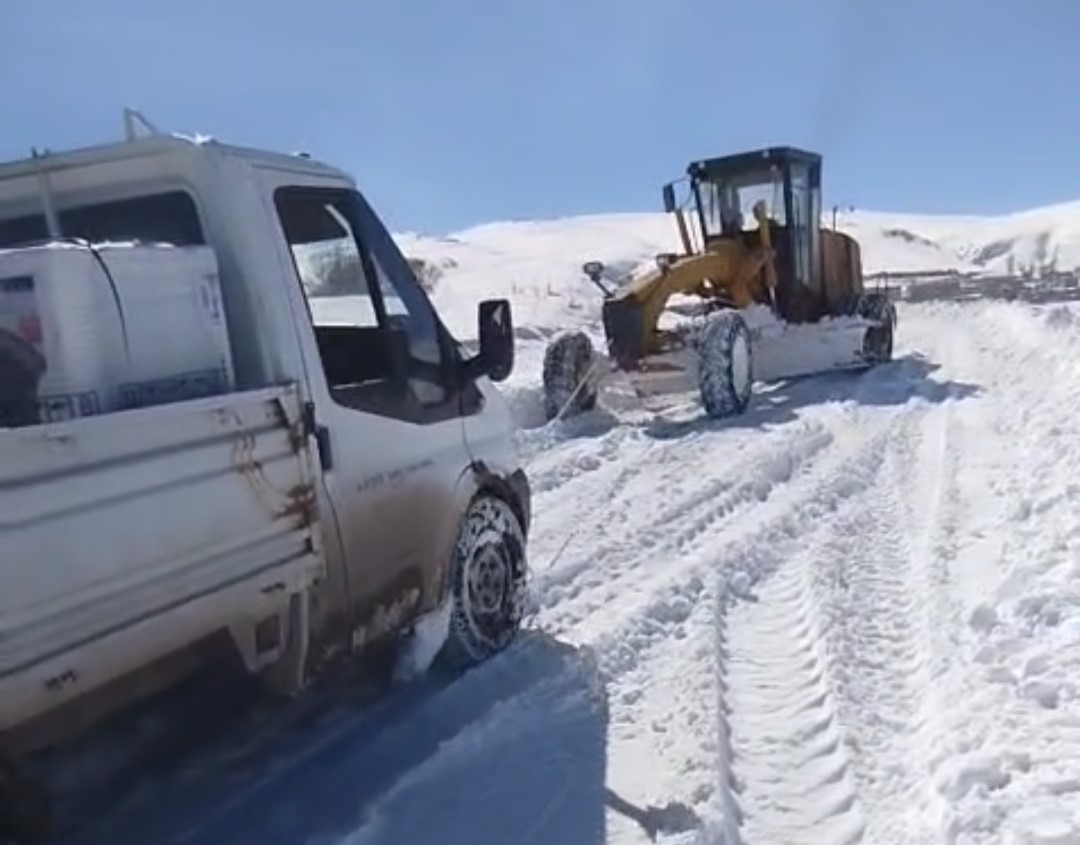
{"points": [[125, 536]]}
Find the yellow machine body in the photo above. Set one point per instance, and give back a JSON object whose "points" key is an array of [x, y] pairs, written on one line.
{"points": [[793, 266]]}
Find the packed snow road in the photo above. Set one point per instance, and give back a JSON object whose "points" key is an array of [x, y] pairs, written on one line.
{"points": [[852, 615], [847, 617]]}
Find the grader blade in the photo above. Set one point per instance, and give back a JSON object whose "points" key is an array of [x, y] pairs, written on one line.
{"points": [[785, 350]]}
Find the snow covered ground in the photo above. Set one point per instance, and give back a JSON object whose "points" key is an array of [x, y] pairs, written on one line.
{"points": [[858, 607], [851, 615]]}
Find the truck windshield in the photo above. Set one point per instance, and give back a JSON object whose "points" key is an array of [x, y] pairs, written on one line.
{"points": [[727, 204]]}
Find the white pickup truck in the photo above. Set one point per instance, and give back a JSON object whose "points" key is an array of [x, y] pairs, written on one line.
{"points": [[357, 475]]}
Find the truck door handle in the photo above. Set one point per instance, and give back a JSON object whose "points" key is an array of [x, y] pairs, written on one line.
{"points": [[321, 434], [322, 440]]}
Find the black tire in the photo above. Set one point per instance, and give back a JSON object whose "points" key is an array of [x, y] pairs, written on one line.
{"points": [[878, 341], [725, 365], [487, 582], [25, 808], [567, 361]]}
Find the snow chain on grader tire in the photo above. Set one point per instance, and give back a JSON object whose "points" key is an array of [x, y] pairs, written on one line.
{"points": [[878, 342], [567, 362], [725, 365]]}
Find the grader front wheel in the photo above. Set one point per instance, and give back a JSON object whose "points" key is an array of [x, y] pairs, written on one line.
{"points": [[568, 363], [725, 365]]}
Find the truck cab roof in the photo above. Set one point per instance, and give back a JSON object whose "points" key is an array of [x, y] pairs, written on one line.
{"points": [[726, 166], [162, 145]]}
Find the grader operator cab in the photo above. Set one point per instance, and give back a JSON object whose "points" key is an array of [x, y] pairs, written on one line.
{"points": [[760, 292]]}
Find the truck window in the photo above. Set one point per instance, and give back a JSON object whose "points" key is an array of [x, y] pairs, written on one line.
{"points": [[358, 299], [169, 217]]}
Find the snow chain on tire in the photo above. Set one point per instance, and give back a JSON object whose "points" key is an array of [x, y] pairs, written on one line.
{"points": [[568, 361], [488, 582], [724, 378], [878, 342]]}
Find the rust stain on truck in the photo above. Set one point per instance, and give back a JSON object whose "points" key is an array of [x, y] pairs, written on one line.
{"points": [[301, 503], [280, 503]]}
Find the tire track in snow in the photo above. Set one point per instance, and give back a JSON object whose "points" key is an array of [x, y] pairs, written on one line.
{"points": [[587, 457], [792, 769], [790, 763], [654, 589], [660, 653], [875, 586], [791, 760], [652, 593], [932, 505], [649, 537], [830, 665], [573, 491], [681, 474]]}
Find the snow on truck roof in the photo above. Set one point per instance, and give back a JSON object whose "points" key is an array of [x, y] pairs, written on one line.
{"points": [[162, 144]]}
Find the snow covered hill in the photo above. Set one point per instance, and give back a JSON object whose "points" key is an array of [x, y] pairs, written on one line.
{"points": [[539, 261], [1044, 237], [851, 615]]}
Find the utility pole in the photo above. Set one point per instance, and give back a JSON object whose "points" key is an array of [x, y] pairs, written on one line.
{"points": [[835, 208]]}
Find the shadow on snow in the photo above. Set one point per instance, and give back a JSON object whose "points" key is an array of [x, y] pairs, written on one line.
{"points": [[514, 749], [895, 383]]}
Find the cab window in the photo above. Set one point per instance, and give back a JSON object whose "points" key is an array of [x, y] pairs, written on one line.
{"points": [[382, 346]]}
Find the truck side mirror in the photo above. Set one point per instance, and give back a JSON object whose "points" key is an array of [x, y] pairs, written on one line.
{"points": [[669, 197], [496, 331]]}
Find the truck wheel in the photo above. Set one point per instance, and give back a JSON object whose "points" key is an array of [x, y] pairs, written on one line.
{"points": [[25, 809], [878, 341], [488, 576], [567, 361], [725, 365]]}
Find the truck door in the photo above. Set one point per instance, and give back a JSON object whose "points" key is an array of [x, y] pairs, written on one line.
{"points": [[388, 407]]}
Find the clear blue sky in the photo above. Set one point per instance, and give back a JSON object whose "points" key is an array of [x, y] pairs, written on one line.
{"points": [[454, 112]]}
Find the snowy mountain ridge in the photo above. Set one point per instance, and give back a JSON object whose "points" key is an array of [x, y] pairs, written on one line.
{"points": [[1045, 238], [537, 263]]}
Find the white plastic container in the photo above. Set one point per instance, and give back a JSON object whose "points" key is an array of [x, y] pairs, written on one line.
{"points": [[120, 326]]}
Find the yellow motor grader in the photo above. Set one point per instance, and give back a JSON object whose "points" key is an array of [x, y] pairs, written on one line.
{"points": [[760, 292]]}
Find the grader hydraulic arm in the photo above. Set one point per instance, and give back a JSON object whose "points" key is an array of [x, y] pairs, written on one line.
{"points": [[727, 272]]}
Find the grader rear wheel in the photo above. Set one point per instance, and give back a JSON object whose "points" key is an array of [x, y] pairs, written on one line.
{"points": [[878, 341]]}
